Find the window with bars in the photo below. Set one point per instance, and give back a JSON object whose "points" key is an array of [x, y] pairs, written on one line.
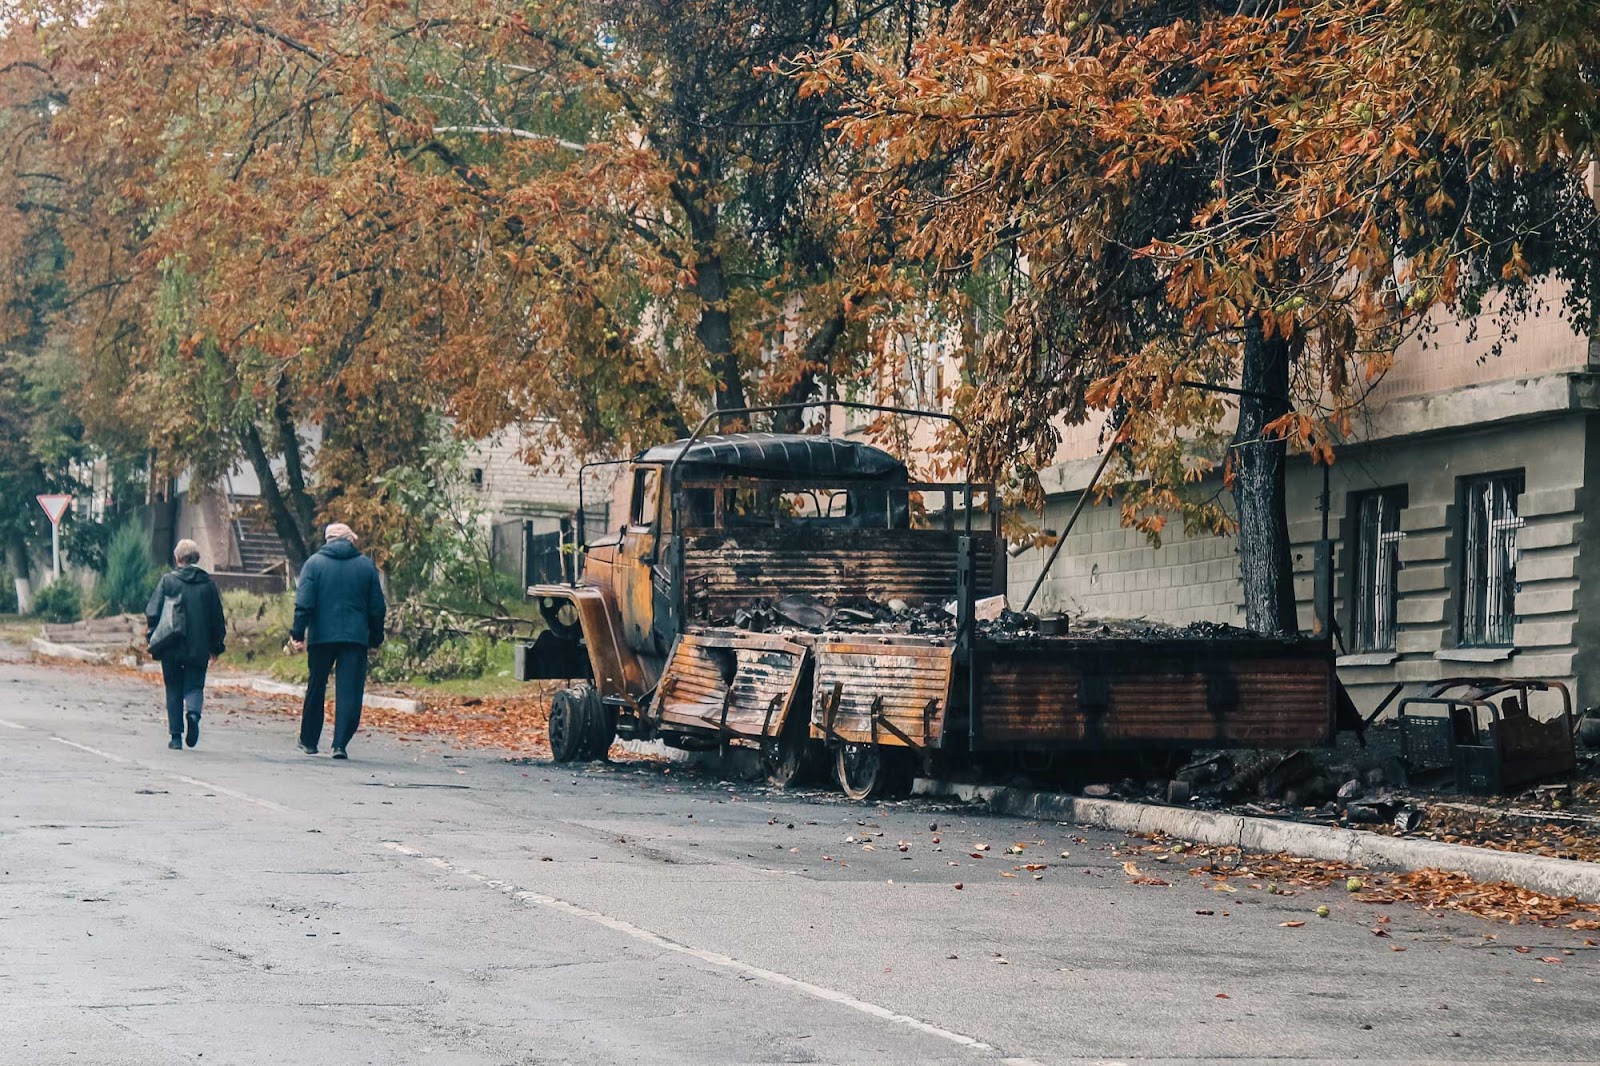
{"points": [[1489, 558], [1375, 567]]}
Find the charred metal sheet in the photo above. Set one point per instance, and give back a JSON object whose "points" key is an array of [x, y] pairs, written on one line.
{"points": [[618, 672], [893, 691], [1111, 694], [780, 454], [1486, 730], [728, 680], [743, 569]]}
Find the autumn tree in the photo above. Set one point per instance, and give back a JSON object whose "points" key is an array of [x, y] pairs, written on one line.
{"points": [[599, 217], [1212, 223]]}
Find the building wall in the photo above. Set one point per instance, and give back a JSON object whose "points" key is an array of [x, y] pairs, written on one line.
{"points": [[204, 519], [1108, 571]]}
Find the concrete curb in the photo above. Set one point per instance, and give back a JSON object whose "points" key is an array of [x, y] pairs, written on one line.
{"points": [[1555, 877], [280, 688], [53, 650], [262, 685]]}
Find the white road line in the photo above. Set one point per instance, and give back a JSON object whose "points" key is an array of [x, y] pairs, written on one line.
{"points": [[87, 748], [223, 789], [268, 804], [829, 995], [11, 725]]}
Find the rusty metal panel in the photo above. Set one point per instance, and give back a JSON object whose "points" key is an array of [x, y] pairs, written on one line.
{"points": [[1084, 693], [618, 672], [752, 677], [904, 682], [738, 569]]}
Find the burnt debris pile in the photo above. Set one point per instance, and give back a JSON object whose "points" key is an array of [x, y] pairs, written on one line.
{"points": [[801, 613]]}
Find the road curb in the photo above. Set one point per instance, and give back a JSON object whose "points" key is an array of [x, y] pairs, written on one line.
{"points": [[263, 685], [1555, 877], [52, 650], [268, 687]]}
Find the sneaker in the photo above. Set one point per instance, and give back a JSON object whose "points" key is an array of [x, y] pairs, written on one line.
{"points": [[192, 736], [176, 744], [338, 753], [307, 748]]}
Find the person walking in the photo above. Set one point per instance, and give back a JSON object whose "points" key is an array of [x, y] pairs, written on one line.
{"points": [[338, 616], [204, 636]]}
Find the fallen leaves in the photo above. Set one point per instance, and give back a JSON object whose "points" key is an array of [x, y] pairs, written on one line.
{"points": [[1137, 877], [1290, 925]]}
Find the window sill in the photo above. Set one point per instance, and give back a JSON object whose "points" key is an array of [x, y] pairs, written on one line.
{"points": [[1474, 655], [1368, 658]]}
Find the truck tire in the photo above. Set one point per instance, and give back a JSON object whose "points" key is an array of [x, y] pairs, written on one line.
{"points": [[569, 725], [792, 758], [872, 771], [600, 724]]}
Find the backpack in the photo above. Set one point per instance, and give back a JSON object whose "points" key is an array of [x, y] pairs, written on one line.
{"points": [[172, 628]]}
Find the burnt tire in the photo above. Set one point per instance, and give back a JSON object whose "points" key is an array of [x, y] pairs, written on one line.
{"points": [[872, 771], [600, 724], [792, 758], [576, 728]]}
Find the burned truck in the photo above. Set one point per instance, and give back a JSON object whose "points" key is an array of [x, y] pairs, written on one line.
{"points": [[803, 596]]}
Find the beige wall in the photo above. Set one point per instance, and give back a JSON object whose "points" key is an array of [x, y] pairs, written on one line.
{"points": [[1110, 572]]}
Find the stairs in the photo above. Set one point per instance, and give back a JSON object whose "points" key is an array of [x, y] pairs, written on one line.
{"points": [[260, 550]]}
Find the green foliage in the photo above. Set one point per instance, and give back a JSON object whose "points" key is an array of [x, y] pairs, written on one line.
{"points": [[450, 658], [59, 601], [85, 543], [130, 573], [8, 592], [442, 547]]}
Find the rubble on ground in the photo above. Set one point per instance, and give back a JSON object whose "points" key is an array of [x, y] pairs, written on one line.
{"points": [[1366, 787]]}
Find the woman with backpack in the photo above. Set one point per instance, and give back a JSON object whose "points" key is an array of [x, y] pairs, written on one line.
{"points": [[186, 631]]}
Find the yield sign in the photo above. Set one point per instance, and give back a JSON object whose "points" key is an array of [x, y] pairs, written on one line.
{"points": [[55, 507]]}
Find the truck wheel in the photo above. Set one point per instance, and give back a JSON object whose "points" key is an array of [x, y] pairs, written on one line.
{"points": [[569, 725], [860, 769], [790, 759], [600, 722]]}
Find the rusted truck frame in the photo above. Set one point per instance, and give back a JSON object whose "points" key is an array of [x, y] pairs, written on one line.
{"points": [[659, 634]]}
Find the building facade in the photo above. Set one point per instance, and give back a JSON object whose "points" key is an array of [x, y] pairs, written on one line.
{"points": [[1457, 517]]}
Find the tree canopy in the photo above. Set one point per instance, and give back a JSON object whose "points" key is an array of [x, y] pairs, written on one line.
{"points": [[1215, 222], [603, 218]]}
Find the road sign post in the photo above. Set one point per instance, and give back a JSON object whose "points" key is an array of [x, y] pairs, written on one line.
{"points": [[56, 507]]}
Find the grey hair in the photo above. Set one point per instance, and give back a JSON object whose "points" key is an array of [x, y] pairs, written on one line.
{"points": [[186, 553]]}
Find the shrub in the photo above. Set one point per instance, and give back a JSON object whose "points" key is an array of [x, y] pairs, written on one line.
{"points": [[449, 659], [59, 601], [8, 593], [130, 573]]}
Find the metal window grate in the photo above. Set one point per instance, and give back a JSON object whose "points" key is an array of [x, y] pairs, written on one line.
{"points": [[1377, 566], [1489, 579]]}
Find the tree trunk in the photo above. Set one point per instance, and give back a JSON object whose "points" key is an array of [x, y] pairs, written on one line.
{"points": [[17, 560], [283, 519], [817, 349], [715, 328], [1265, 568], [294, 468]]}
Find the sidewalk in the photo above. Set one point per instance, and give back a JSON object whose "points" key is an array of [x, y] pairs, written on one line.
{"points": [[215, 679]]}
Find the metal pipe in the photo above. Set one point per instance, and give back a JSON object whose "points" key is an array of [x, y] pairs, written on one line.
{"points": [[1083, 498]]}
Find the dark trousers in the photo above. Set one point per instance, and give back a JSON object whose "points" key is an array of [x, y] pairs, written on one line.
{"points": [[348, 663], [186, 691]]}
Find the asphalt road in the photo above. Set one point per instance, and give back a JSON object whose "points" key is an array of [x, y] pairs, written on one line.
{"points": [[243, 903]]}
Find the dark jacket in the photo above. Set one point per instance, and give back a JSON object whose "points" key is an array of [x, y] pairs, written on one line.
{"points": [[205, 631], [339, 600]]}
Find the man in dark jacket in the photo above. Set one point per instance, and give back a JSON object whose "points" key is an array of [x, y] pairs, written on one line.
{"points": [[338, 614], [183, 667]]}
